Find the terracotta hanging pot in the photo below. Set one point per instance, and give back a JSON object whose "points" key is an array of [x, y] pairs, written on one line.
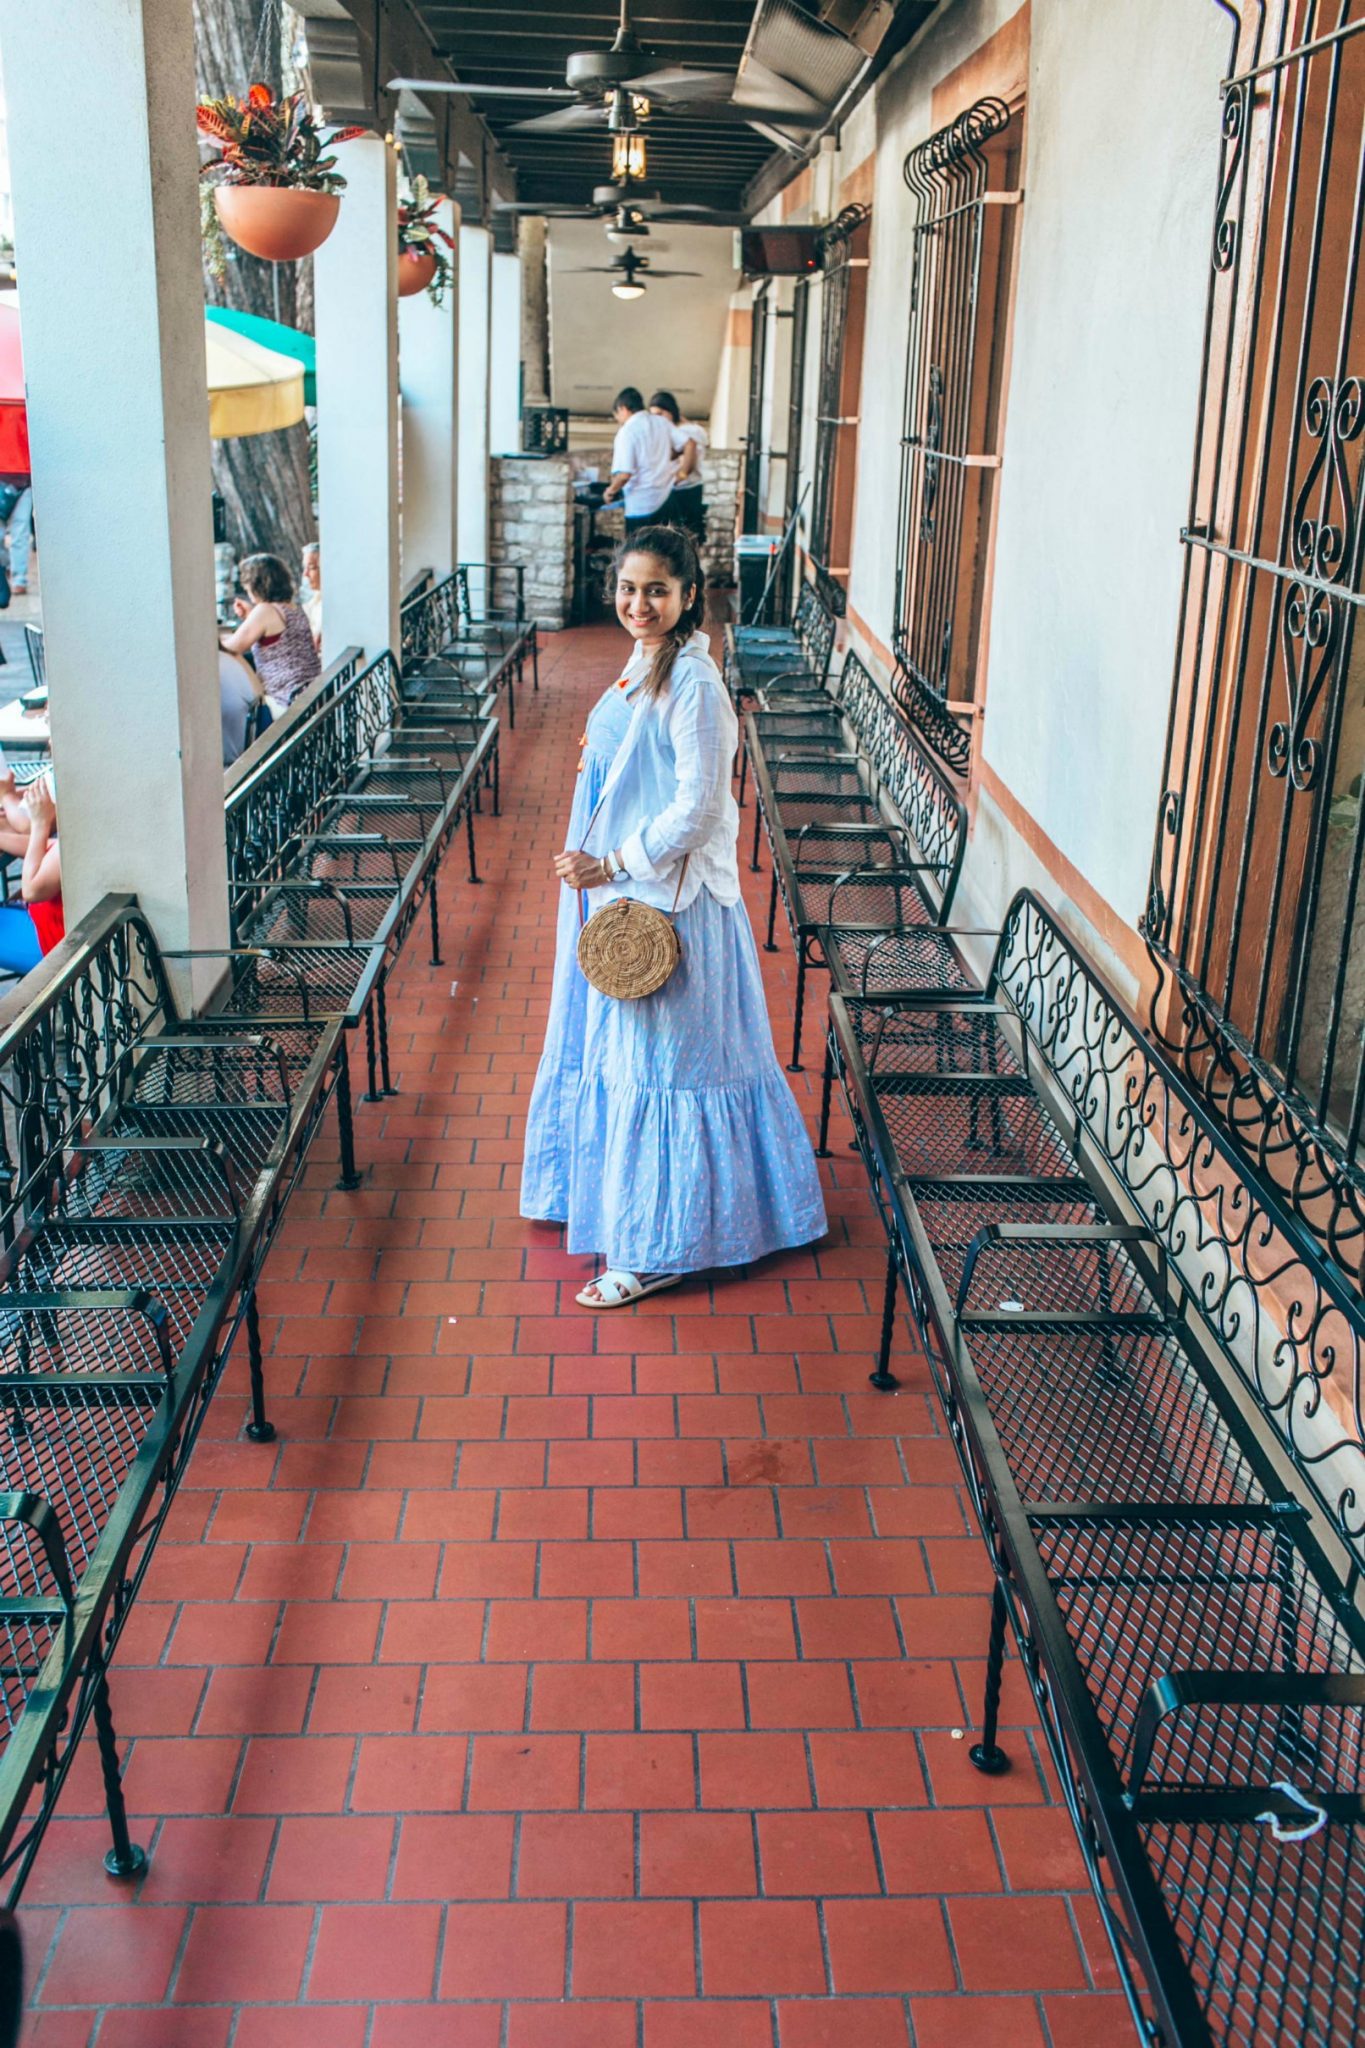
{"points": [[277, 222], [416, 269]]}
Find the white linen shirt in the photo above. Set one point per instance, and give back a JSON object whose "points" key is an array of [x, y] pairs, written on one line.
{"points": [[643, 451], [690, 431], [667, 794]]}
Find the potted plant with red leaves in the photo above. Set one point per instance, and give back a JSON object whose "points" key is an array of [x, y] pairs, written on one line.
{"points": [[269, 186], [423, 264]]}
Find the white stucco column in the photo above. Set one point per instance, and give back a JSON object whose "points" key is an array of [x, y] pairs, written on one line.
{"points": [[504, 378], [476, 249], [429, 375], [356, 311], [118, 421]]}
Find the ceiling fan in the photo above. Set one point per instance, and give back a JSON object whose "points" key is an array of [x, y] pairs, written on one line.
{"points": [[605, 87], [628, 210], [631, 271]]}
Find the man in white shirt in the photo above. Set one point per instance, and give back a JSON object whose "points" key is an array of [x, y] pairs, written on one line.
{"points": [[642, 460]]}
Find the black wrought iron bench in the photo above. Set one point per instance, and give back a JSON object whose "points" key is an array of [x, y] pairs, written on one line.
{"points": [[862, 827], [1152, 1379], [334, 845], [753, 654], [145, 1160], [470, 629]]}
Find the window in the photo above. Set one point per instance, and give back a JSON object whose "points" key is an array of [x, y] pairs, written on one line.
{"points": [[843, 311], [965, 181], [1255, 917], [777, 379]]}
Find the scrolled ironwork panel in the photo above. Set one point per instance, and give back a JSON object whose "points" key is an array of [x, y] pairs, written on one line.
{"points": [[1255, 917]]}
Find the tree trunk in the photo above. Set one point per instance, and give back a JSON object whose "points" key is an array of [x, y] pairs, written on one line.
{"points": [[263, 479]]}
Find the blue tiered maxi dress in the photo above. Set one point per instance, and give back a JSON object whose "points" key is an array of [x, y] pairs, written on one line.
{"points": [[663, 1131]]}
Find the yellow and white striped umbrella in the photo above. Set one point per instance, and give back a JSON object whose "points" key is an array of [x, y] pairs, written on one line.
{"points": [[252, 390]]}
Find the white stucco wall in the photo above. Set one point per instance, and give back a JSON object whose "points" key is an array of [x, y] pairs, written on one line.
{"points": [[1121, 153], [1113, 269]]}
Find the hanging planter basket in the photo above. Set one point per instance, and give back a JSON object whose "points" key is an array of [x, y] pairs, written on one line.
{"points": [[416, 269], [277, 222], [274, 192]]}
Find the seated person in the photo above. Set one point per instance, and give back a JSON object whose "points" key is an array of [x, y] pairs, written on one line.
{"points": [[239, 692], [42, 883], [19, 948], [310, 590], [276, 629]]}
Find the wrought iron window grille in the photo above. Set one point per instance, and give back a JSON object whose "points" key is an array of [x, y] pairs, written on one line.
{"points": [[950, 435], [753, 443], [1255, 918], [837, 267]]}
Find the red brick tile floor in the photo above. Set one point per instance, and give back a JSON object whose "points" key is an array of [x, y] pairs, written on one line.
{"points": [[558, 1681]]}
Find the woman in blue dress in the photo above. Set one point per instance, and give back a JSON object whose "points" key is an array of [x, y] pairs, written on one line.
{"points": [[662, 1130]]}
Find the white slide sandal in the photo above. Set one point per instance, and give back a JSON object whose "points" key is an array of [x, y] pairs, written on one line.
{"points": [[617, 1290]]}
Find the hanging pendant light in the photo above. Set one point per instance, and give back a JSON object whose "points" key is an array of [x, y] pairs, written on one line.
{"points": [[628, 159]]}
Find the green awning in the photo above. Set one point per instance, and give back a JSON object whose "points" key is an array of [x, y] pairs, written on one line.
{"points": [[286, 341]]}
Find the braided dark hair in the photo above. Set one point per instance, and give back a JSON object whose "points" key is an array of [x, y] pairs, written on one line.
{"points": [[678, 553]]}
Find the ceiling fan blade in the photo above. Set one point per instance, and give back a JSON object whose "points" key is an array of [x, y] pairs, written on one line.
{"points": [[601, 270], [501, 92], [681, 82], [546, 208], [563, 121], [699, 216], [731, 111], [651, 272]]}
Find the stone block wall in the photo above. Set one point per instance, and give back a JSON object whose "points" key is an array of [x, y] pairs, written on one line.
{"points": [[531, 521], [530, 513]]}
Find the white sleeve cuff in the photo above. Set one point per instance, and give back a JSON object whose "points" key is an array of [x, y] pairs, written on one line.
{"points": [[635, 860]]}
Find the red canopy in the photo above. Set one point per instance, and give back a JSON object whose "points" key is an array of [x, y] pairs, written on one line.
{"points": [[14, 455]]}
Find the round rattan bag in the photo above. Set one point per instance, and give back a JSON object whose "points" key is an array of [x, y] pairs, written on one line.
{"points": [[628, 949]]}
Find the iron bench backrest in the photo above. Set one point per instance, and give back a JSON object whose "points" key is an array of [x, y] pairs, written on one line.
{"points": [[927, 801], [1282, 1315], [814, 623]]}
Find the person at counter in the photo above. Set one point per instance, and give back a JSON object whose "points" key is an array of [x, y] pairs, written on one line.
{"points": [[642, 460]]}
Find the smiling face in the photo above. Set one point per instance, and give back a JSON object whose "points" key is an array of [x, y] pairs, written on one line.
{"points": [[649, 598]]}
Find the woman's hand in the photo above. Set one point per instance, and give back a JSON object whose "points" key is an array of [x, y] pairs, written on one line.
{"points": [[40, 806], [581, 870]]}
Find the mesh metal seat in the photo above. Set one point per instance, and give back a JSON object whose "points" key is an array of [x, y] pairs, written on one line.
{"points": [[1195, 1648]]}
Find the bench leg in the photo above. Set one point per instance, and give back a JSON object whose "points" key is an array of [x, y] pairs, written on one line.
{"points": [[794, 1064], [125, 1859], [987, 1754], [826, 1096], [371, 1074], [511, 701], [535, 659], [349, 1178], [385, 1078], [743, 771], [497, 785], [258, 1429], [770, 943], [883, 1378], [469, 835], [758, 827], [434, 907]]}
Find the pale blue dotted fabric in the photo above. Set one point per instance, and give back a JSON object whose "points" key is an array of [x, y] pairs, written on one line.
{"points": [[663, 1132]]}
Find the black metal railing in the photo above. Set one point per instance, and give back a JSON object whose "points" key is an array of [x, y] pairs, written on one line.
{"points": [[952, 416], [146, 1162], [1256, 913], [284, 796]]}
